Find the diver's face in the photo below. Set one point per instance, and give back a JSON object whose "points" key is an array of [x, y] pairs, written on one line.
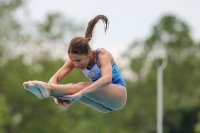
{"points": [[80, 61]]}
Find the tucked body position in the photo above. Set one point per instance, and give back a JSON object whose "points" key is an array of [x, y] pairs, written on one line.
{"points": [[107, 89]]}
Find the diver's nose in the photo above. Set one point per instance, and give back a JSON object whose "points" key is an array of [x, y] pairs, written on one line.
{"points": [[77, 64]]}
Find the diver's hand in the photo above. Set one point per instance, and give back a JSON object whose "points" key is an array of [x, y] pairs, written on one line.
{"points": [[61, 102], [75, 97], [71, 98]]}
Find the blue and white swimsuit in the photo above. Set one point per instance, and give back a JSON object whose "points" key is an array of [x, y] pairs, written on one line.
{"points": [[94, 73]]}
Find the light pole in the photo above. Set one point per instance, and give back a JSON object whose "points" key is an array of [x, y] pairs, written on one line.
{"points": [[159, 99], [161, 55]]}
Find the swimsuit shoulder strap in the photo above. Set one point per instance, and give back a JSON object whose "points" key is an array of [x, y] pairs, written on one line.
{"points": [[97, 57]]}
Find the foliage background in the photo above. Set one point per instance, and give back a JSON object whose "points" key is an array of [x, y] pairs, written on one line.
{"points": [[26, 54]]}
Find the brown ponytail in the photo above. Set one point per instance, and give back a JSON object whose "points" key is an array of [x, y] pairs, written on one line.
{"points": [[79, 45], [92, 23]]}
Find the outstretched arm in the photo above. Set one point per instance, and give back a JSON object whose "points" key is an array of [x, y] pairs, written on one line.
{"points": [[62, 72]]}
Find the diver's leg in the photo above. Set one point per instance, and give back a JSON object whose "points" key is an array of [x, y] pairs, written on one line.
{"points": [[112, 96], [94, 105]]}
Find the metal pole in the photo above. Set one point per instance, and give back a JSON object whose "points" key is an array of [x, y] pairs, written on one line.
{"points": [[159, 99]]}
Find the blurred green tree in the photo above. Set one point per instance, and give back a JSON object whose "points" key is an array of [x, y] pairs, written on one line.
{"points": [[170, 39], [57, 26], [21, 59]]}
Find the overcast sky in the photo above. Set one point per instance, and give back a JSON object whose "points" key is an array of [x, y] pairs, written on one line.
{"points": [[130, 20]]}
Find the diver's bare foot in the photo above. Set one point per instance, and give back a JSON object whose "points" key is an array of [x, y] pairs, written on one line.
{"points": [[42, 86]]}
